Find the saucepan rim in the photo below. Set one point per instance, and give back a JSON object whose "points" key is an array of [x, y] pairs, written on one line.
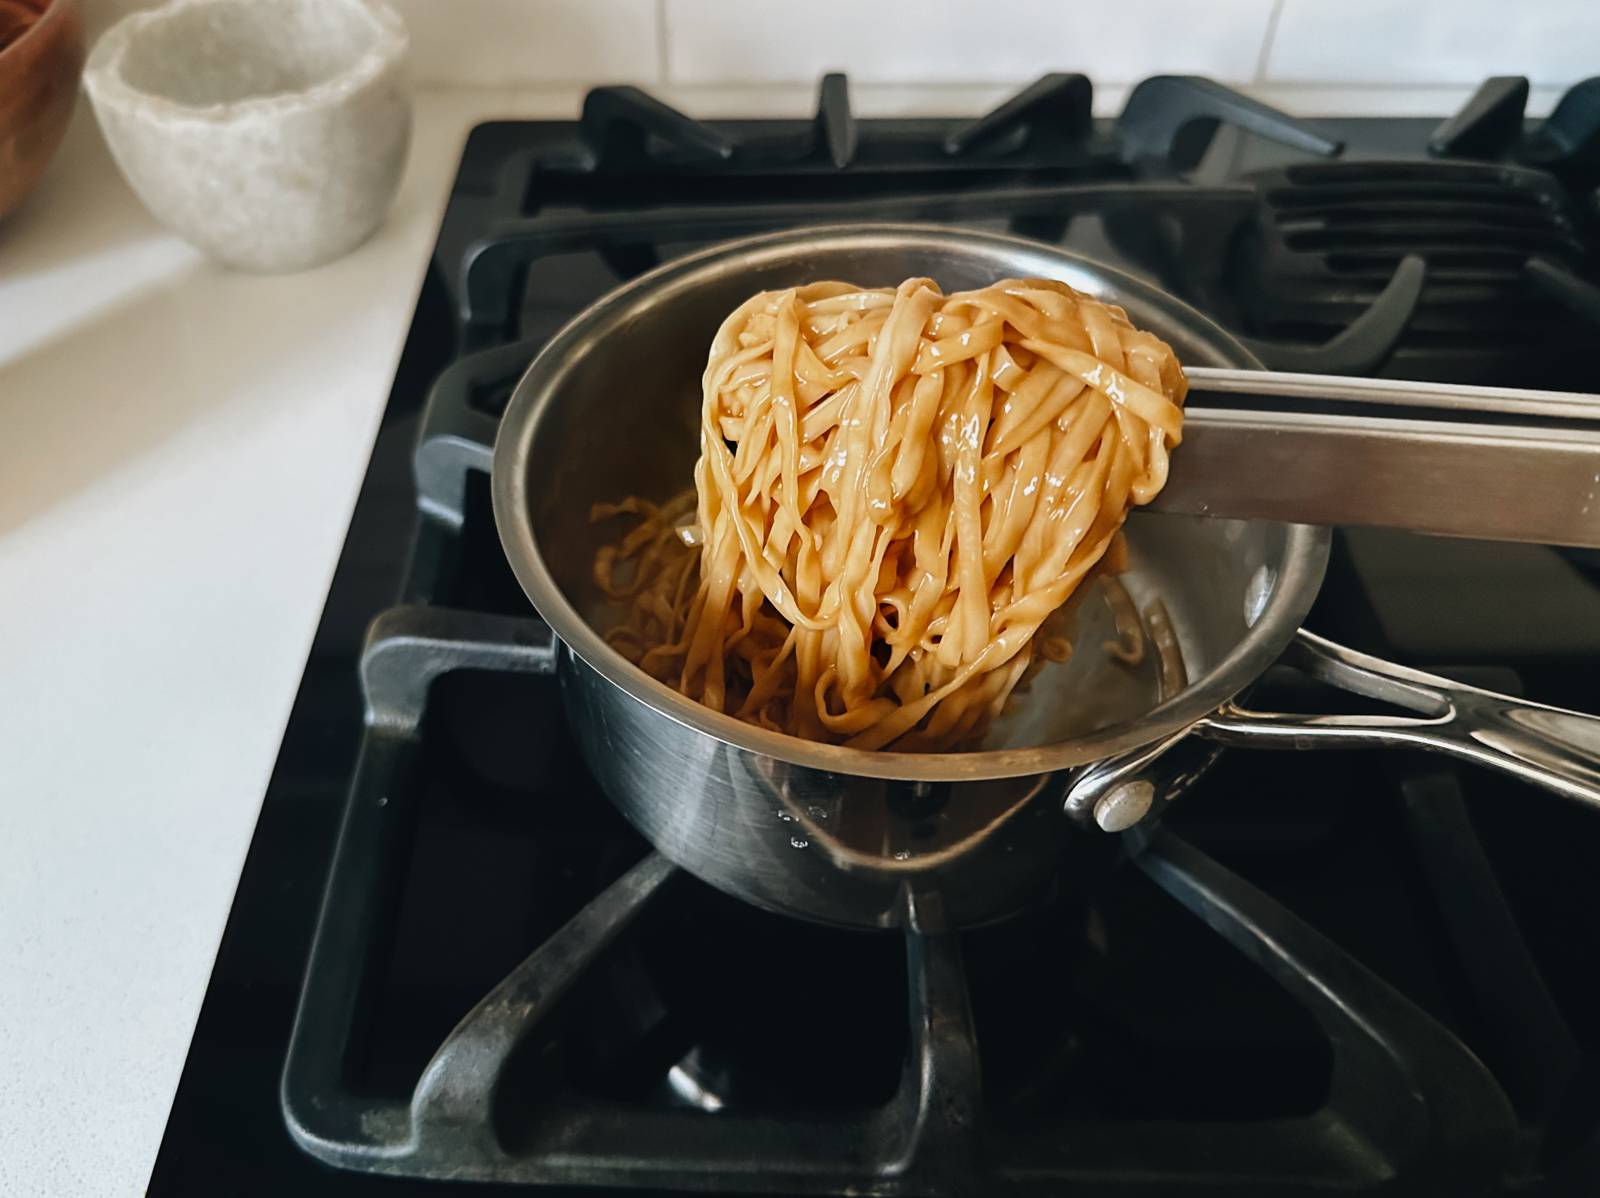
{"points": [[1300, 570]]}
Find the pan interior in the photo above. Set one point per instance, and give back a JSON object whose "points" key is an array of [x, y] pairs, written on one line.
{"points": [[612, 408]]}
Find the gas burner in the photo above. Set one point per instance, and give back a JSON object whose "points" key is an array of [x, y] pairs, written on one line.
{"points": [[1330, 236]]}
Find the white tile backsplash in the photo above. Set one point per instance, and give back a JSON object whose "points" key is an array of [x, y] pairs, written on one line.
{"points": [[917, 41], [722, 57], [1386, 42], [501, 43]]}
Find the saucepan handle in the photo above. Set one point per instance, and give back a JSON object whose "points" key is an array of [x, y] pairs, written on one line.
{"points": [[1547, 746]]}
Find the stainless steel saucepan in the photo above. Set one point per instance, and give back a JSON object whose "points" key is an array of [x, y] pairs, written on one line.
{"points": [[874, 839]]}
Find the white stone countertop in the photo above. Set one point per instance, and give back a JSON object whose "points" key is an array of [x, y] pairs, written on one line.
{"points": [[180, 450]]}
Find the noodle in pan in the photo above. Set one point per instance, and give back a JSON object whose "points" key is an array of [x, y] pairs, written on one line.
{"points": [[897, 489]]}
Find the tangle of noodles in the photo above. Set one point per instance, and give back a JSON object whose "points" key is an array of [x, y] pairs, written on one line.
{"points": [[896, 489]]}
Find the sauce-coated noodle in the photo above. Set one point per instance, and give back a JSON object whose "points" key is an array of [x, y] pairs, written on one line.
{"points": [[896, 490]]}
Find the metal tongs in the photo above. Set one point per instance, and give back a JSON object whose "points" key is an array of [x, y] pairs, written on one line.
{"points": [[1491, 462]]}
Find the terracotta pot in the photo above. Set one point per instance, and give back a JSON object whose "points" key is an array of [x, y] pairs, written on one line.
{"points": [[41, 55]]}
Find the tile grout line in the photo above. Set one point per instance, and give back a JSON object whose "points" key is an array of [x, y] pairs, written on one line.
{"points": [[663, 59], [1265, 53]]}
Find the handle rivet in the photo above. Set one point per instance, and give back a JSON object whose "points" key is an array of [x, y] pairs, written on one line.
{"points": [[1125, 805]]}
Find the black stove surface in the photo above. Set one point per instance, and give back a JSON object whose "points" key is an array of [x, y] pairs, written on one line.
{"points": [[1346, 973]]}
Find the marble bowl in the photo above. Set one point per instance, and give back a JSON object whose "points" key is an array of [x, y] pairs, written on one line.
{"points": [[270, 133], [41, 53]]}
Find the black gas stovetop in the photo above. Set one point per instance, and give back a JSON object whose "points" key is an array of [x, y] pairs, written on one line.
{"points": [[1336, 973]]}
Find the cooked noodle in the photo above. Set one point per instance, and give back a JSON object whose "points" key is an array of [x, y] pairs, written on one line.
{"points": [[896, 490]]}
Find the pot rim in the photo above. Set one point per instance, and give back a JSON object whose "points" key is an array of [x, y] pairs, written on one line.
{"points": [[1300, 576]]}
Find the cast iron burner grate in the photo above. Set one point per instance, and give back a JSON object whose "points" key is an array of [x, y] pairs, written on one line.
{"points": [[632, 150], [1406, 1105], [1329, 236]]}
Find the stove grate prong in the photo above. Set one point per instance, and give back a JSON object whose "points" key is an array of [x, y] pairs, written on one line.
{"points": [[454, 1100], [1161, 109]]}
